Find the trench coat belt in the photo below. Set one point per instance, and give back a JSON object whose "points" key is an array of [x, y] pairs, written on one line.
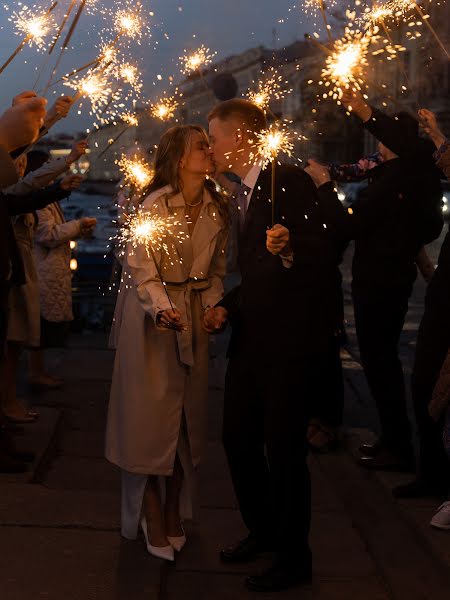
{"points": [[180, 294]]}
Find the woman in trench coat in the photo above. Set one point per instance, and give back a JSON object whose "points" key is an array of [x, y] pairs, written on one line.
{"points": [[158, 401]]}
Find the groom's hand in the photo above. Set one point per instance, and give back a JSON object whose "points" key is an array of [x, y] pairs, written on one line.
{"points": [[215, 319], [278, 240]]}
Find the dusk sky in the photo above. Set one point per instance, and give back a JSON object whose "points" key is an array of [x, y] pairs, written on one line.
{"points": [[225, 26]]}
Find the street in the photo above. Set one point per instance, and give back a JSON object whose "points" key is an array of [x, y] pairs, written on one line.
{"points": [[59, 523]]}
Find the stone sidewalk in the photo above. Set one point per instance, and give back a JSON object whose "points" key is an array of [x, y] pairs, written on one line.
{"points": [[59, 537]]}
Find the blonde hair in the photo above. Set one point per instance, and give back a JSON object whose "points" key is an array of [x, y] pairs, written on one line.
{"points": [[172, 146]]}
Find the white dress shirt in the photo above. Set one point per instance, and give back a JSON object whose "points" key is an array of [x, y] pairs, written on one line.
{"points": [[250, 181]]}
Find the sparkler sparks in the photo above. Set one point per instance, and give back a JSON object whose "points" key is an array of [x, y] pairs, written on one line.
{"points": [[136, 171], [313, 6], [130, 119], [129, 22], [268, 89], [164, 109], [345, 65], [36, 26], [94, 86], [271, 142], [194, 61]]}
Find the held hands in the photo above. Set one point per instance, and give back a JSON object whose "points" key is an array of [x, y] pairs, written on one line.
{"points": [[320, 174], [78, 149], [278, 240], [215, 319], [171, 319], [353, 101]]}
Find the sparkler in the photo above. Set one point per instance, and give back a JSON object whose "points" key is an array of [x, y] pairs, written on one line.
{"points": [[164, 109], [36, 27], [345, 63], [196, 60], [153, 232], [94, 86], [131, 120], [136, 171], [315, 5], [270, 143], [268, 88]]}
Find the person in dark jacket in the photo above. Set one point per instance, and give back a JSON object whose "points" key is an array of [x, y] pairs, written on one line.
{"points": [[394, 217], [283, 318]]}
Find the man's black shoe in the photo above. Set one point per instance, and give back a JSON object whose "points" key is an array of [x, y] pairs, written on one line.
{"points": [[420, 488], [370, 449], [244, 551], [278, 577], [386, 461]]}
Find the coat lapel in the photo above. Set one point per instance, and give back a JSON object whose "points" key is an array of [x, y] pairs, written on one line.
{"points": [[208, 225]]}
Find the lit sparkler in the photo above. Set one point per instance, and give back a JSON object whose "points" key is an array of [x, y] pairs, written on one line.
{"points": [[346, 62], [129, 22], [315, 6], [269, 88], [34, 26], [136, 171], [95, 86], [194, 61], [164, 109]]}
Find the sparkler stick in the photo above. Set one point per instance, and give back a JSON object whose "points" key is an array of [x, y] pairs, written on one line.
{"points": [[272, 194], [431, 28], [63, 24], [32, 34], [131, 121], [325, 20], [66, 42]]}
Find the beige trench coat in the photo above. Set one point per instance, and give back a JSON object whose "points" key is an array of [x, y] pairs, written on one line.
{"points": [[159, 374]]}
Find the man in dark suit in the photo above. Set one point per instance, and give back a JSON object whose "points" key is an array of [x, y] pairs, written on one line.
{"points": [[283, 317], [393, 218]]}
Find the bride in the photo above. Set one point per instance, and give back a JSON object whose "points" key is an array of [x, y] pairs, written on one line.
{"points": [[157, 409]]}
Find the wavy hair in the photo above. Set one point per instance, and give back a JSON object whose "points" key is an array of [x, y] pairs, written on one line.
{"points": [[172, 146]]}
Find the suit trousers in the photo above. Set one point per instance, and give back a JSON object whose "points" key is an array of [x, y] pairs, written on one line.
{"points": [[379, 320], [264, 434], [433, 342]]}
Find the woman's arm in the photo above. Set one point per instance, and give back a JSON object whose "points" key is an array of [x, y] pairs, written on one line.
{"points": [[51, 234]]}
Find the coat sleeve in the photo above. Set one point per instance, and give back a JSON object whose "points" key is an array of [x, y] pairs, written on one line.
{"points": [[390, 132], [8, 173], [20, 205], [444, 162], [231, 302], [51, 234], [142, 268], [39, 178], [217, 272]]}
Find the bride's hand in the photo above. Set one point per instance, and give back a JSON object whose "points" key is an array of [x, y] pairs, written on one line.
{"points": [[171, 319]]}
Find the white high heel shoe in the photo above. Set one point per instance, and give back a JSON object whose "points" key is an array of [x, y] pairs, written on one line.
{"points": [[164, 552], [177, 543]]}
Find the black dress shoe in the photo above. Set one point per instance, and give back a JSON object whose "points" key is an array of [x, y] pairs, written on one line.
{"points": [[278, 577], [370, 449], [244, 551], [386, 461], [420, 488]]}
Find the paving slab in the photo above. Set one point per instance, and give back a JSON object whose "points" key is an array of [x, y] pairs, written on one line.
{"points": [[40, 506], [208, 586], [75, 565], [82, 473]]}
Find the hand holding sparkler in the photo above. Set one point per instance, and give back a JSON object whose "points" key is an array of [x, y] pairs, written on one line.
{"points": [[71, 182], [58, 111], [278, 241], [20, 124], [353, 101], [77, 151], [171, 319], [428, 122]]}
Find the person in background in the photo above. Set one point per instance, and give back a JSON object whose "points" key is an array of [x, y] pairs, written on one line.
{"points": [[429, 382]]}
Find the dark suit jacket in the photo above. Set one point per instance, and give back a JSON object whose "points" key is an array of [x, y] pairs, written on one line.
{"points": [[281, 312], [398, 212]]}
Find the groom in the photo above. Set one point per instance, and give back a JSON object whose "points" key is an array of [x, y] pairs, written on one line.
{"points": [[283, 317]]}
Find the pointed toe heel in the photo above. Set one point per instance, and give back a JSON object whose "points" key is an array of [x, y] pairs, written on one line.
{"points": [[163, 552]]}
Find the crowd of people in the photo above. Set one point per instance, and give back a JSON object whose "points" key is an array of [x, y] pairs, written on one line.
{"points": [[284, 392]]}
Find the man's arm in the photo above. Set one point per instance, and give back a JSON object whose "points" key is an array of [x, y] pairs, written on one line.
{"points": [[8, 173], [20, 205]]}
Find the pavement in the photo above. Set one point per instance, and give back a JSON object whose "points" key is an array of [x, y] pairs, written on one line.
{"points": [[59, 523]]}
